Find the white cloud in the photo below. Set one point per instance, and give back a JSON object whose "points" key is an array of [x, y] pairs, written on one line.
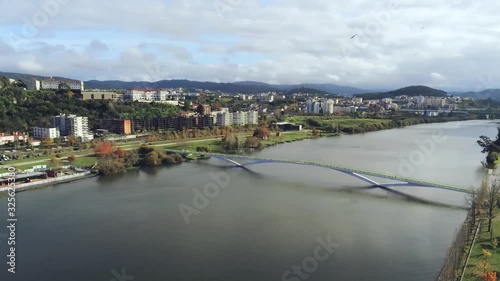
{"points": [[447, 44]]}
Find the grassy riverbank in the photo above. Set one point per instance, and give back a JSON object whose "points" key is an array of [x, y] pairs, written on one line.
{"points": [[483, 242]]}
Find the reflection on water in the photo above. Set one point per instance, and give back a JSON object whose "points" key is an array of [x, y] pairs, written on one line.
{"points": [[268, 219]]}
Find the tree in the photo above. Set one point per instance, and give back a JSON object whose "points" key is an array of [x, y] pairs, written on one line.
{"points": [[494, 243], [131, 158], [490, 203], [71, 159], [120, 153], [72, 140], [108, 166], [55, 162], [262, 133], [153, 158], [103, 148], [47, 142], [482, 267], [489, 276], [316, 132]]}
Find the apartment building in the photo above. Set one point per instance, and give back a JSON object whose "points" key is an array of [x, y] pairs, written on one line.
{"points": [[224, 119], [146, 95], [40, 133], [73, 125]]}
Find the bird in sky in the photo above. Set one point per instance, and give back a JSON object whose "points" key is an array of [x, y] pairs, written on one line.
{"points": [[354, 36]]}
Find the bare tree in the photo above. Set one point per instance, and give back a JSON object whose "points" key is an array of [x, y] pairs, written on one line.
{"points": [[490, 203]]}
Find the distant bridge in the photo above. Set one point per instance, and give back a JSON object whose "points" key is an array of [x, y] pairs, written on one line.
{"points": [[357, 173]]}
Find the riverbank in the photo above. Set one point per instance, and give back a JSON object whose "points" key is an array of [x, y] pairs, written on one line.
{"points": [[276, 137], [474, 266], [40, 184]]}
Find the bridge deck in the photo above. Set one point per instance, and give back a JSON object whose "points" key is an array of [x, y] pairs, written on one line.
{"points": [[410, 181]]}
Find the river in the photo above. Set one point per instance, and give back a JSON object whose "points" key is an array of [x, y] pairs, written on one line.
{"points": [[260, 223]]}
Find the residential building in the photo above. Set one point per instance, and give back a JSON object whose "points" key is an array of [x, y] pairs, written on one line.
{"points": [[73, 125], [253, 117], [240, 118], [205, 121], [161, 96], [224, 119], [117, 126], [329, 104], [12, 137], [203, 109], [357, 100], [347, 109], [40, 133], [102, 95], [32, 84]]}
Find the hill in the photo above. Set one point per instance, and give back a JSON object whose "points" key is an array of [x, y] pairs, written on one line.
{"points": [[210, 86], [309, 91], [494, 94], [407, 91]]}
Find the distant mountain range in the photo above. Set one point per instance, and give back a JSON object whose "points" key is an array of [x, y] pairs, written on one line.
{"points": [[245, 87], [411, 91], [251, 87]]}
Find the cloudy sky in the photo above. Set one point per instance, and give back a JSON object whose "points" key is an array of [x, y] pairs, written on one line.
{"points": [[448, 44]]}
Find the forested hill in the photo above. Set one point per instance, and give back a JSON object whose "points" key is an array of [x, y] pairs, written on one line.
{"points": [[407, 91], [22, 110], [308, 91]]}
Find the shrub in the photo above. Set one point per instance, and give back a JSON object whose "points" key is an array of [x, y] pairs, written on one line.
{"points": [[168, 160], [177, 158], [108, 167]]}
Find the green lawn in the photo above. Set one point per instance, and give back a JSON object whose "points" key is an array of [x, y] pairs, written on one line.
{"points": [[85, 161], [483, 242]]}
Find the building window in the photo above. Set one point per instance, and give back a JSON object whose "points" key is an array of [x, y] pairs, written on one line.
{"points": [[91, 96], [102, 96]]}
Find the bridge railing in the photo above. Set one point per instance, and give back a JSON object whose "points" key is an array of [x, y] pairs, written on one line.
{"points": [[345, 169]]}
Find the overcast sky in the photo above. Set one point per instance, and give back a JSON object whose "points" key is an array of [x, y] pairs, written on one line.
{"points": [[451, 45]]}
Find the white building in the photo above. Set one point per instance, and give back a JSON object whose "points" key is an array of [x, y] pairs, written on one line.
{"points": [[14, 136], [53, 84], [309, 106], [73, 125], [240, 118], [316, 107], [329, 106], [32, 84], [347, 109], [357, 100], [224, 119], [253, 117], [161, 96], [40, 133]]}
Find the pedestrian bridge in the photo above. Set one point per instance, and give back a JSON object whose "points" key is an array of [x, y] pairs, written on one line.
{"points": [[357, 173]]}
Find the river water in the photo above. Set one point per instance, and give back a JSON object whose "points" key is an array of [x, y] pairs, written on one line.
{"points": [[261, 223]]}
